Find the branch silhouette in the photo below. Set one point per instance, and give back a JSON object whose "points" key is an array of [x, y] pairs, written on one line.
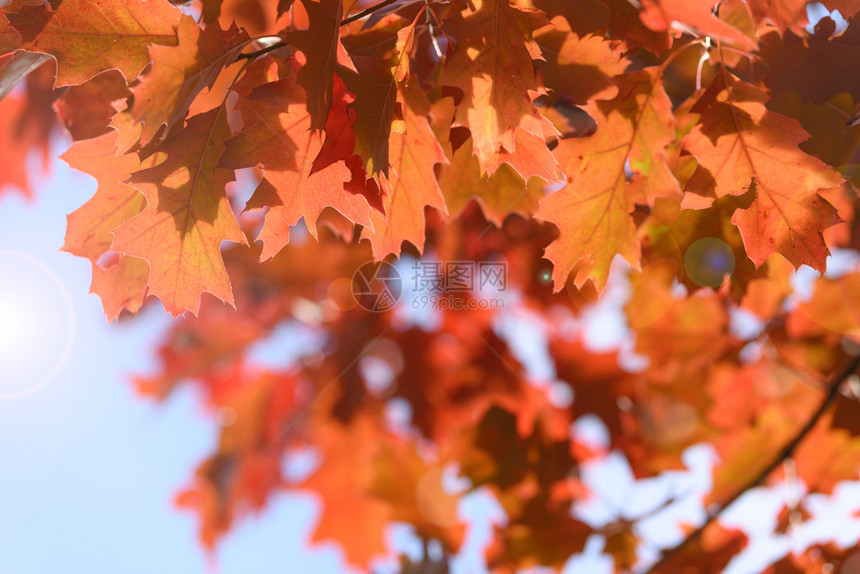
{"points": [[261, 51], [367, 12], [344, 22], [784, 454]]}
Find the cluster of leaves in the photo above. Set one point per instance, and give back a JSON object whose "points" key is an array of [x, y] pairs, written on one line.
{"points": [[553, 135]]}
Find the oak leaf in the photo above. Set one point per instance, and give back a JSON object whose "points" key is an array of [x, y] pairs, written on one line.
{"points": [[278, 138], [414, 153], [661, 15], [740, 143], [492, 65], [89, 37], [581, 67], [499, 194], [369, 76], [187, 216], [351, 514], [322, 48], [593, 211], [88, 108], [820, 66], [181, 72]]}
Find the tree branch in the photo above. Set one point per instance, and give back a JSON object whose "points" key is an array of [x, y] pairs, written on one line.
{"points": [[784, 454], [261, 51], [367, 12], [344, 22]]}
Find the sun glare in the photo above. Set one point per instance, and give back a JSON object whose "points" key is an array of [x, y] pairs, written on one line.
{"points": [[36, 324]]}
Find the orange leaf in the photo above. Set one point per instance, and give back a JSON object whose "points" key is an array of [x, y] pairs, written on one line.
{"points": [[710, 553], [88, 231], [88, 108], [414, 154], [187, 216], [320, 44], [277, 137], [581, 67], [740, 142], [89, 37], [375, 90], [351, 515], [594, 210], [121, 285], [179, 73], [493, 66], [783, 13], [661, 15]]}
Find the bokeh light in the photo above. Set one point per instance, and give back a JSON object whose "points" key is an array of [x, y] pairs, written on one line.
{"points": [[708, 260]]}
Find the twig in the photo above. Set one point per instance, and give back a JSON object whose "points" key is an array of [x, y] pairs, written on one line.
{"points": [[785, 453], [367, 12], [261, 51]]}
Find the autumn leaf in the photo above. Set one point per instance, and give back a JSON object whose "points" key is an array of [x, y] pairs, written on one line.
{"points": [[581, 67], [661, 15], [741, 143], [834, 306], [689, 336], [88, 232], [121, 284], [493, 66], [370, 77], [414, 154], [87, 38], [414, 487], [344, 481], [709, 554], [257, 17], [88, 108], [815, 558], [819, 67], [831, 140], [436, 127], [322, 51], [828, 457], [277, 137], [744, 452], [848, 8], [583, 17], [499, 195], [10, 39], [625, 23], [594, 210], [181, 72], [784, 13], [187, 216]]}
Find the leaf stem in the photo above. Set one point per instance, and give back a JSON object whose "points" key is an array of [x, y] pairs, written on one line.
{"points": [[784, 454], [367, 12]]}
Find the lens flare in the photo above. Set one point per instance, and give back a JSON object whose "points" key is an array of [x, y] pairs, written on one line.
{"points": [[36, 325]]}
